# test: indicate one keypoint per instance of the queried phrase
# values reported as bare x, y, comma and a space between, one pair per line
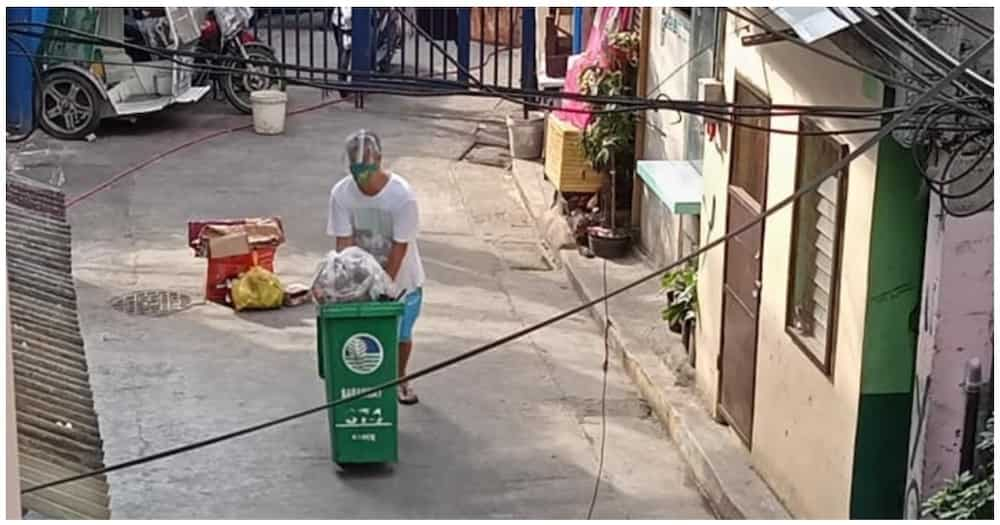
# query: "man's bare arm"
396, 259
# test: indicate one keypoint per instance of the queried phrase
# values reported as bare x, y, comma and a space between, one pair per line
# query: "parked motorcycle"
387, 33
225, 33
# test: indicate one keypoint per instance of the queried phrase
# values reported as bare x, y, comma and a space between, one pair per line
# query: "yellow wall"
805, 422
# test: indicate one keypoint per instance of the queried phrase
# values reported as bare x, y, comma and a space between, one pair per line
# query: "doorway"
742, 275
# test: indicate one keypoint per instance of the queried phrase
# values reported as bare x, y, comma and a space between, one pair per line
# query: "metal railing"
495, 45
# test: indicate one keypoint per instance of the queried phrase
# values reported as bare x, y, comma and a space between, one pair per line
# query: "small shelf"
677, 183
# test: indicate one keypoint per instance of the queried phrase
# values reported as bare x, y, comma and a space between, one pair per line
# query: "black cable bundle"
394, 84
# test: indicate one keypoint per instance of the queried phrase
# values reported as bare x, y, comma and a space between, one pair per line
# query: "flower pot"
673, 326
608, 244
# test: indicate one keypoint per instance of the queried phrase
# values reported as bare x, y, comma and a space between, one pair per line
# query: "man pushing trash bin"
377, 211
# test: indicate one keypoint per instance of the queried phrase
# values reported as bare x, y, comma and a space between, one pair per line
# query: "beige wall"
805, 422
665, 236
668, 41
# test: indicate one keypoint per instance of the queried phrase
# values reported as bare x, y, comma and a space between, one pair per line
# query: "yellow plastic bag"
257, 289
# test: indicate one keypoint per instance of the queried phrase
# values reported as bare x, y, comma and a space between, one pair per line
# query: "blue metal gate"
437, 48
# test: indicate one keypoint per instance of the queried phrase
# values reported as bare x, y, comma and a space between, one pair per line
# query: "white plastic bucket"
269, 111
526, 136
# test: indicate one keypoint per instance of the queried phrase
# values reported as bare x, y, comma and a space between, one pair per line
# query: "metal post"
448, 37
577, 30
326, 46
270, 15
529, 80
510, 46
284, 40
482, 42
972, 385
361, 48
496, 46
433, 37
463, 40
312, 44
298, 44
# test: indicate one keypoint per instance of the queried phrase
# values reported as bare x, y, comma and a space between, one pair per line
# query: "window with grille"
815, 257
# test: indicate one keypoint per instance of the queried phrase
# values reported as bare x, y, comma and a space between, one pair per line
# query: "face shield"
363, 155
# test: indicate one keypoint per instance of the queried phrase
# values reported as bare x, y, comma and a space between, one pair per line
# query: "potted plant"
681, 312
970, 494
609, 138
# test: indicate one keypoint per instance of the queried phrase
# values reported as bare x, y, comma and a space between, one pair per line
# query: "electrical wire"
724, 108
720, 112
887, 55
898, 42
928, 130
415, 90
681, 67
204, 138
169, 54
915, 36
968, 140
807, 188
604, 394
684, 106
888, 80
963, 215
655, 93
481, 85
969, 22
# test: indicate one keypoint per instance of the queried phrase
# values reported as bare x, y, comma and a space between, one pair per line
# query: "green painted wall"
895, 274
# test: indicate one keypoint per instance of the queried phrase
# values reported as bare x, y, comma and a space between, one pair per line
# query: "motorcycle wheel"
238, 86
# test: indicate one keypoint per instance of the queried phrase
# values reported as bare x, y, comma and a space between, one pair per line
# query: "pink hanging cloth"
608, 20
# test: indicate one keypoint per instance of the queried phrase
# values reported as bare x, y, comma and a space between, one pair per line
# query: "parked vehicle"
83, 82
387, 32
225, 33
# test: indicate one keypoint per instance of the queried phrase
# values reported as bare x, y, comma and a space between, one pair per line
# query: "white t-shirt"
378, 220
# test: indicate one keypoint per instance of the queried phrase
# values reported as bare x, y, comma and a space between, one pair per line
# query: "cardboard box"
229, 245
258, 232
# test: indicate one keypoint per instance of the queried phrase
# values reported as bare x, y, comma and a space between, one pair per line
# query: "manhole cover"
152, 303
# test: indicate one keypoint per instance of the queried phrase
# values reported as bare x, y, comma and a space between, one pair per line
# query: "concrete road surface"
513, 433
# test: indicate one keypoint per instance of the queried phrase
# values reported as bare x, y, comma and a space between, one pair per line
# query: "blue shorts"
411, 310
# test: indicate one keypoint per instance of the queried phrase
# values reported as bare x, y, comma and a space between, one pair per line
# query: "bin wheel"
70, 106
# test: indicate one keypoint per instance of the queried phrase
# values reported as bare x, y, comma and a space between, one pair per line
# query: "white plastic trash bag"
351, 275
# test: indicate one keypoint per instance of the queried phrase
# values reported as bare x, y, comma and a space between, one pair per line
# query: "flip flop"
406, 395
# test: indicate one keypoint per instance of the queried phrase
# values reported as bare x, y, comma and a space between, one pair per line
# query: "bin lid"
360, 310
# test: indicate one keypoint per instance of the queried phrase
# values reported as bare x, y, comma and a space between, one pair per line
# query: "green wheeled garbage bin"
357, 350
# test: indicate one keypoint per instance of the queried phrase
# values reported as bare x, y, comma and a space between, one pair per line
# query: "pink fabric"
608, 20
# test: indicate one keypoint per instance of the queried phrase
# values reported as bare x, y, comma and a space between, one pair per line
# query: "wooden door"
741, 281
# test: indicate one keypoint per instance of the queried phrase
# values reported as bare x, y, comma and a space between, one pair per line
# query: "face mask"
362, 172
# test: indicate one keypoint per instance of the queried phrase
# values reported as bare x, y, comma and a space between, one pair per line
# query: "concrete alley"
514, 433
